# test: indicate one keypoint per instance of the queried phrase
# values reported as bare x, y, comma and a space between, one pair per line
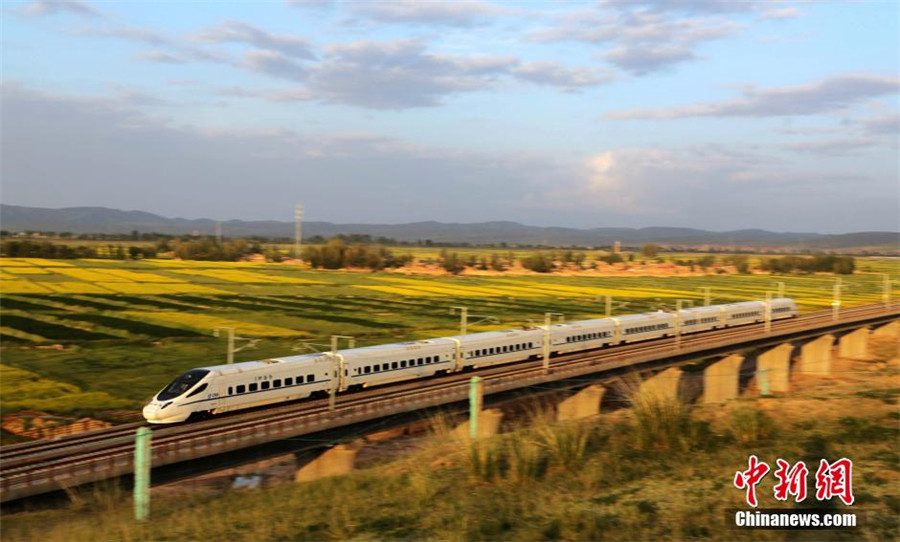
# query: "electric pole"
548, 319
230, 331
707, 296
678, 304
836, 304
463, 318
298, 229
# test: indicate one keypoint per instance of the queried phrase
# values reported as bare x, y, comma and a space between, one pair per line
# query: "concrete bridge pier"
488, 424
721, 380
662, 386
815, 356
854, 345
774, 368
891, 329
584, 404
335, 461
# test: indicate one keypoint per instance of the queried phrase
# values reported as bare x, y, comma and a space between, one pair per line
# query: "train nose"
151, 412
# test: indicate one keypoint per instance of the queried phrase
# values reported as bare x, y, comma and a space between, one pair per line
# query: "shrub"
749, 425
662, 424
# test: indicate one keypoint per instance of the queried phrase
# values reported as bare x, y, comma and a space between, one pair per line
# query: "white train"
223, 388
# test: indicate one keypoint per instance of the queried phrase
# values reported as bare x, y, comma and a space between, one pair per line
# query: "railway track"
28, 461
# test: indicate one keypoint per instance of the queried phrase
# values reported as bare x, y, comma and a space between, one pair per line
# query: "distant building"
617, 247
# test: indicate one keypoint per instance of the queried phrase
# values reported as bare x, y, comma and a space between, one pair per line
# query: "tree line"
56, 251
337, 254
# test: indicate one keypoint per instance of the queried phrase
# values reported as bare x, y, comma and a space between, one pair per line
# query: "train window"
265, 385
367, 369
289, 381
254, 386
182, 384
241, 389
276, 383
198, 390
394, 365
403, 363
310, 378
421, 361
230, 390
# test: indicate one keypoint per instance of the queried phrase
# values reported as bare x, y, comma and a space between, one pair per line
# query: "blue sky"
703, 113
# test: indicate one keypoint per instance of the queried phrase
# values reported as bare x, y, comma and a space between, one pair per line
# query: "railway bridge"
41, 467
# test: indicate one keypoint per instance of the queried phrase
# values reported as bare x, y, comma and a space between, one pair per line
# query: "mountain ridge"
106, 220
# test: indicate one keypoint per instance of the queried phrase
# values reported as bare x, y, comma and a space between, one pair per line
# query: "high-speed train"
222, 388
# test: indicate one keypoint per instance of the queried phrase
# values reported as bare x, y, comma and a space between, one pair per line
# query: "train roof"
231, 368
499, 334
591, 322
408, 345
644, 316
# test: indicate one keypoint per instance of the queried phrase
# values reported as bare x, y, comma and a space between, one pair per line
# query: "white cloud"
644, 60
162, 57
240, 32
461, 13
54, 7
559, 75
835, 93
644, 41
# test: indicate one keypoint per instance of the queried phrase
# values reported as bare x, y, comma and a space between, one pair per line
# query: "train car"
643, 327
496, 347
582, 335
748, 312
701, 319
784, 307
386, 363
222, 388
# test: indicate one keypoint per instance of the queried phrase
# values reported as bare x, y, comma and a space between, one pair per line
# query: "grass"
121, 321
590, 480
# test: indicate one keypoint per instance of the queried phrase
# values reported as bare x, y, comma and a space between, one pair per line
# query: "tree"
451, 262
650, 250
539, 262
497, 262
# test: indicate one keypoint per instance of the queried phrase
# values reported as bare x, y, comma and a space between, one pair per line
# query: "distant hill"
103, 220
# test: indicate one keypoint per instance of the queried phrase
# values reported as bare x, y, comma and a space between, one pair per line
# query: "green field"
127, 327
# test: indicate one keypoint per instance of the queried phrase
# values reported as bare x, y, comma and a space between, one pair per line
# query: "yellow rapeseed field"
21, 287
41, 262
429, 287
138, 288
27, 271
206, 323
245, 277
141, 277
465, 290
72, 287
90, 275
399, 291
6, 276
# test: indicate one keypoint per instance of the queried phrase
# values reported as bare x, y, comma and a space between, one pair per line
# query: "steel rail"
41, 449
41, 452
115, 451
